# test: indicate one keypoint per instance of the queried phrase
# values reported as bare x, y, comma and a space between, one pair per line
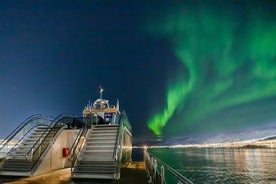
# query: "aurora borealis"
228, 56
177, 67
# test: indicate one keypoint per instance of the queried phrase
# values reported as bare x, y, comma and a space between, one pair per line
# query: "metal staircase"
30, 142
97, 159
17, 162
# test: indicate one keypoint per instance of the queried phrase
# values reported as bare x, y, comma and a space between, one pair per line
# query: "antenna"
101, 92
117, 104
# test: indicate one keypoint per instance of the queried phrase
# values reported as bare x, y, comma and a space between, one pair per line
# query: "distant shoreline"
255, 144
266, 143
242, 144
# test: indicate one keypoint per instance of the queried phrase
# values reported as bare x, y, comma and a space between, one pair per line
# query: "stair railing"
16, 135
29, 155
14, 148
15, 131
78, 149
118, 138
78, 144
42, 143
73, 148
37, 154
123, 124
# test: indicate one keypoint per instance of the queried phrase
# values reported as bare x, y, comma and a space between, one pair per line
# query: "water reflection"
223, 165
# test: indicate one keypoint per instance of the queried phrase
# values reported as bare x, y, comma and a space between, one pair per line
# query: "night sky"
178, 68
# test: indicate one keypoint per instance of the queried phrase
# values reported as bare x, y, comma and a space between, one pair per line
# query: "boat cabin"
100, 112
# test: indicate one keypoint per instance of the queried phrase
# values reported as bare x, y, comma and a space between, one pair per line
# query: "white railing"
157, 169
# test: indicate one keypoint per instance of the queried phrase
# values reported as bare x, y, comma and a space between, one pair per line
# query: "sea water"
221, 165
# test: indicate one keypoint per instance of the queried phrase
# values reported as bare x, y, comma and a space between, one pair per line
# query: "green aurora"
228, 54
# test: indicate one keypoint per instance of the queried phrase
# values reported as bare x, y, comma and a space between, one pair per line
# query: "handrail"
77, 144
38, 141
118, 149
152, 163
126, 122
74, 145
61, 116
7, 139
16, 130
34, 154
52, 125
19, 132
115, 151
39, 152
75, 153
10, 153
42, 138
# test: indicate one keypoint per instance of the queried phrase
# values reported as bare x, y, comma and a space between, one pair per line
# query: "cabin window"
108, 117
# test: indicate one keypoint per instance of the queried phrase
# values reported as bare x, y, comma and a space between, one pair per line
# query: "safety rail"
119, 144
43, 142
77, 150
157, 170
126, 122
12, 139
14, 148
123, 123
78, 144
118, 138
7, 139
29, 155
38, 155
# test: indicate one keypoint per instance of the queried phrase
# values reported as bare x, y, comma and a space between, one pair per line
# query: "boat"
108, 142
95, 145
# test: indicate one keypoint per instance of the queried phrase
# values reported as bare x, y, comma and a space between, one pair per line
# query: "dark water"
221, 165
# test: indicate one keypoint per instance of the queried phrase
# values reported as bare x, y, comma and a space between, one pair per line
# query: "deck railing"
39, 147
16, 137
78, 144
157, 170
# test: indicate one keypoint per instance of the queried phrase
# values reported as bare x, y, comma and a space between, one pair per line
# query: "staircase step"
99, 145
93, 176
97, 163
102, 137
37, 136
30, 140
42, 131
96, 170
15, 169
13, 164
18, 157
24, 149
105, 130
97, 154
101, 142
96, 159
17, 164
104, 134
100, 126
101, 150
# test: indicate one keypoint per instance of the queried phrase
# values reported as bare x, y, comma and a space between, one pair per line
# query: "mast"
101, 92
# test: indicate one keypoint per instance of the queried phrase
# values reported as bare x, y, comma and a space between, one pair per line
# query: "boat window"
108, 117
97, 106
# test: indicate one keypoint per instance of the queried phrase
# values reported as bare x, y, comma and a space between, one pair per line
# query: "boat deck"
134, 173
